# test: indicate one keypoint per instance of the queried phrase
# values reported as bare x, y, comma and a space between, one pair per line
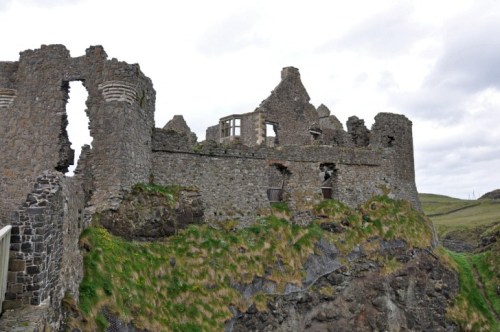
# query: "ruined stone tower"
33, 137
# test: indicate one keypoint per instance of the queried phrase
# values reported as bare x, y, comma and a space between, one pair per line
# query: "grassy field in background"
448, 213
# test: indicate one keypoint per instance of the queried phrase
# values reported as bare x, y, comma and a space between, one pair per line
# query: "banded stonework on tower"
7, 97
118, 91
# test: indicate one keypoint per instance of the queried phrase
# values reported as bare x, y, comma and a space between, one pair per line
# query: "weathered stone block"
15, 239
39, 247
11, 277
12, 304
17, 288
35, 211
10, 295
35, 269
27, 247
17, 265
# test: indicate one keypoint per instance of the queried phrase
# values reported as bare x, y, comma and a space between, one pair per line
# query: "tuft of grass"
333, 209
486, 265
280, 207
102, 322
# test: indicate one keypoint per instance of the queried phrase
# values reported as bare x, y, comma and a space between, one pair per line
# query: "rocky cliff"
368, 269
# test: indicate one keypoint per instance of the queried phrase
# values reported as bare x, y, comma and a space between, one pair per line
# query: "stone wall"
45, 261
233, 179
231, 187
287, 108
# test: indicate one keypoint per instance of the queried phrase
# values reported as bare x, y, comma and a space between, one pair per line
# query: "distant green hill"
450, 213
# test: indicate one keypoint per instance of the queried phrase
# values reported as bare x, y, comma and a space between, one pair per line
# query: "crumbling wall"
288, 105
33, 134
287, 109
179, 125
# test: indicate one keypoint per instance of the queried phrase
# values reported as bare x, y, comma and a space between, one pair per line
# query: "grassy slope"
470, 219
187, 282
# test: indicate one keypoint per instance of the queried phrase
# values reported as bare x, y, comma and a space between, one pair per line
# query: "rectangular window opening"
230, 127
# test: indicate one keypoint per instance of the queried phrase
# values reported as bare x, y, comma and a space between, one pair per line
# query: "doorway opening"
78, 121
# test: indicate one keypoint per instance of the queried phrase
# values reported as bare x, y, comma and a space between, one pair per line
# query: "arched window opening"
78, 121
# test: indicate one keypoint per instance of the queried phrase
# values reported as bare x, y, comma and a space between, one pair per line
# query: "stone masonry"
286, 150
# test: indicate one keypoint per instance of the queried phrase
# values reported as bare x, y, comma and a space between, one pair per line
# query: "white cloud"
231, 34
385, 34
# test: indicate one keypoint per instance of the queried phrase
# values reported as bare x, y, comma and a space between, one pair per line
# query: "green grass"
470, 212
486, 264
451, 214
438, 204
280, 207
470, 309
186, 282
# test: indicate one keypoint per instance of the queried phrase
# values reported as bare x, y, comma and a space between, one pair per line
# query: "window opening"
78, 121
272, 134
327, 177
390, 141
278, 175
230, 127
315, 131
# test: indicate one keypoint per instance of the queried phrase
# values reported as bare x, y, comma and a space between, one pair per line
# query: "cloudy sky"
437, 62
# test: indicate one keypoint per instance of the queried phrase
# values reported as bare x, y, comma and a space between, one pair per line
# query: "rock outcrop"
149, 215
364, 298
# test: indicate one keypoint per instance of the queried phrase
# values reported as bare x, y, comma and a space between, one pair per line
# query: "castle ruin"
285, 151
